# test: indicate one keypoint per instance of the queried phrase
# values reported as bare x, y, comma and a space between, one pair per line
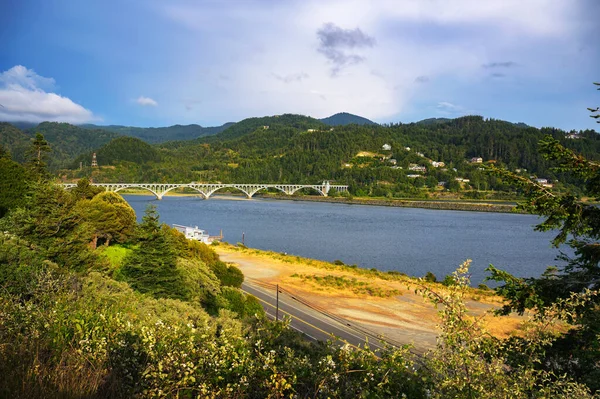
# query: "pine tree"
37, 153
151, 268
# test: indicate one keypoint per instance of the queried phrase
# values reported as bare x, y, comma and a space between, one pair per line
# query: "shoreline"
390, 304
454, 205
424, 204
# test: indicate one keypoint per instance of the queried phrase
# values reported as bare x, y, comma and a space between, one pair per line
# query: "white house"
193, 233
386, 147
436, 164
417, 168
476, 160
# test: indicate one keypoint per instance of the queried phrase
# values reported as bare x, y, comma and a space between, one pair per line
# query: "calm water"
409, 240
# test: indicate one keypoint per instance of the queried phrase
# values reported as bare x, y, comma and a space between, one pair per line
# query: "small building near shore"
193, 233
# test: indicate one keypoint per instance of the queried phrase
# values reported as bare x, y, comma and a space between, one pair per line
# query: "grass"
354, 285
115, 254
391, 275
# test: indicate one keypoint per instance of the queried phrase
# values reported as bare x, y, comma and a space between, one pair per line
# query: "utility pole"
243, 238
277, 303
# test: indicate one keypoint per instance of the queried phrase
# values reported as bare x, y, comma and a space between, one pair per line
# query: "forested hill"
299, 149
271, 126
161, 134
344, 118
67, 141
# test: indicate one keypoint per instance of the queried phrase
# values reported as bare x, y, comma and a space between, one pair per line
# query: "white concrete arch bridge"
208, 189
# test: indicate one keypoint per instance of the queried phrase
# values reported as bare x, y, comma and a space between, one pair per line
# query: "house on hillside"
417, 168
392, 161
436, 164
476, 160
386, 147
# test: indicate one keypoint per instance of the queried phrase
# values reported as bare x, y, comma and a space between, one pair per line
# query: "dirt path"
404, 316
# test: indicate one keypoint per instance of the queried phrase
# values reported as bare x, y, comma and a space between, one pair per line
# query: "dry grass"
405, 316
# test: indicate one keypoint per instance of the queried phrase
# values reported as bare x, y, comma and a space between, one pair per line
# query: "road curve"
313, 324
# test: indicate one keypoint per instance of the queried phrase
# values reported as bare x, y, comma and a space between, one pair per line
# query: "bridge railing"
208, 189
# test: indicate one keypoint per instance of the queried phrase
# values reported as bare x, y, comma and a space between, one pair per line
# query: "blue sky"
158, 63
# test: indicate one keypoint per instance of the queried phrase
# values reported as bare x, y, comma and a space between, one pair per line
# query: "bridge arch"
124, 186
185, 186
268, 187
211, 192
316, 188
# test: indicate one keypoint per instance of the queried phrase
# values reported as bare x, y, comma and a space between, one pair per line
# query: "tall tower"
94, 162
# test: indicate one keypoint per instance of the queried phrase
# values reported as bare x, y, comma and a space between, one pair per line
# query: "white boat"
194, 233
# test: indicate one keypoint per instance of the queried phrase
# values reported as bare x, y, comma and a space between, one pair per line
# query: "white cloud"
274, 55
146, 101
24, 99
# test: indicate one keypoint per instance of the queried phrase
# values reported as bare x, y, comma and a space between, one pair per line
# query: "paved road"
310, 322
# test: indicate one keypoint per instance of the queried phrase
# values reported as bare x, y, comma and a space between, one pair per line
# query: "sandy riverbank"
404, 316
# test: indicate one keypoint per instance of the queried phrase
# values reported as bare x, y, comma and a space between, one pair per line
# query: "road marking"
295, 328
307, 323
364, 339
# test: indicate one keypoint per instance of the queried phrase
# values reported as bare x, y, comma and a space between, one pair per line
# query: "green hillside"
162, 134
344, 118
122, 149
433, 121
298, 149
67, 141
14, 140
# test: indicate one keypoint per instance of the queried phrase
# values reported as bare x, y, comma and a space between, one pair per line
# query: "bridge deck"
208, 189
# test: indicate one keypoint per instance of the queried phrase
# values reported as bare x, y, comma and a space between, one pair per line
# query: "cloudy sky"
157, 63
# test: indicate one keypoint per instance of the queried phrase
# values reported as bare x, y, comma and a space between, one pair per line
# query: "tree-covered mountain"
162, 134
344, 118
433, 121
270, 126
121, 149
67, 141
299, 149
13, 140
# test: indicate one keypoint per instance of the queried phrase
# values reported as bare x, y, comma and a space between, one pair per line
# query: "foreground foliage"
160, 316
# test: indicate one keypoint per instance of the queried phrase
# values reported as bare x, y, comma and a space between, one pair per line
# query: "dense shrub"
229, 275
429, 276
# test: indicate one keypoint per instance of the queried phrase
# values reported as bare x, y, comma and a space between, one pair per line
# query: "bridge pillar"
326, 188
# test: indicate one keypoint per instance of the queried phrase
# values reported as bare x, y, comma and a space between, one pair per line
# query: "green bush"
242, 304
229, 275
429, 276
449, 280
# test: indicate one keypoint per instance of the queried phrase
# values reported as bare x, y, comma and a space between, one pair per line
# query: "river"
409, 240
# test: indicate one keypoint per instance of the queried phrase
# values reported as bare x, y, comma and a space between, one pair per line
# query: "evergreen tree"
108, 217
152, 267
38, 155
84, 190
